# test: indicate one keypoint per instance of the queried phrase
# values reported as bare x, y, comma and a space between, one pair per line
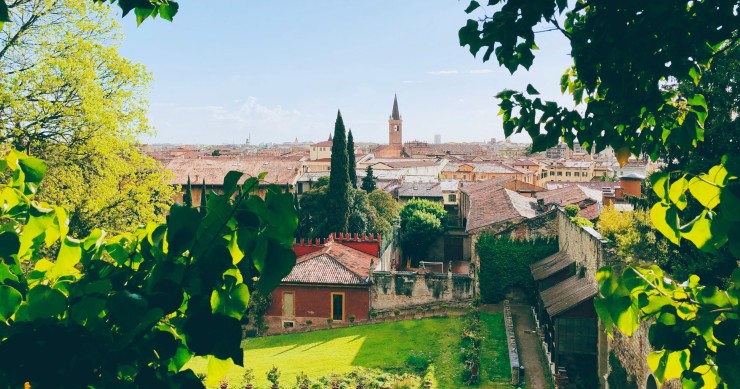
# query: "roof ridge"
342, 265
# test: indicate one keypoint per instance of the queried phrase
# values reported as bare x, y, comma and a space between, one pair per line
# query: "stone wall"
591, 251
632, 353
391, 290
586, 246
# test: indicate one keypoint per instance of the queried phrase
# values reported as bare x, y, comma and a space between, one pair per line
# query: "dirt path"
529, 347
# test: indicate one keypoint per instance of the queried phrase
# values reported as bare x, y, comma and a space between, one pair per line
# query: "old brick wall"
586, 246
632, 353
391, 290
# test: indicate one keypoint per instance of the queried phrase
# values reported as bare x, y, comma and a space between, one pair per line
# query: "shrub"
247, 377
373, 314
302, 381
396, 312
309, 322
352, 318
273, 375
572, 210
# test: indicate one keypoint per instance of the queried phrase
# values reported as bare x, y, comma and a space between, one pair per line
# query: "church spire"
395, 115
330, 139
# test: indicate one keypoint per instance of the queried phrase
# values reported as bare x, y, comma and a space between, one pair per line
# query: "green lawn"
385, 346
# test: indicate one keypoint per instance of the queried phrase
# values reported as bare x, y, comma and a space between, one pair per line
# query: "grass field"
384, 346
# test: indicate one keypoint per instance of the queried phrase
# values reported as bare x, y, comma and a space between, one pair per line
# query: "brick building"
331, 279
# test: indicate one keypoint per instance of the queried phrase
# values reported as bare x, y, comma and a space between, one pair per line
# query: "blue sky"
280, 70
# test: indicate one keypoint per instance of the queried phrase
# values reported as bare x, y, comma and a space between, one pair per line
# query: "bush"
273, 375
251, 333
572, 210
396, 312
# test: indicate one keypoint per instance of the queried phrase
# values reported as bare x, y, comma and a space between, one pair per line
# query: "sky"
227, 69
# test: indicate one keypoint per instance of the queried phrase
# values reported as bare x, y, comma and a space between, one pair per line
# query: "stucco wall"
392, 290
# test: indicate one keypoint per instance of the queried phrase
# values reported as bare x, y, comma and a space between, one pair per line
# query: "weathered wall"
591, 251
586, 246
392, 290
632, 353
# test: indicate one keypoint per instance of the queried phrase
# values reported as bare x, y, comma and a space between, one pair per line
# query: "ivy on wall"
504, 263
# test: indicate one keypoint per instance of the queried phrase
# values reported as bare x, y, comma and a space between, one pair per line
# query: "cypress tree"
368, 182
187, 198
351, 167
338, 194
203, 198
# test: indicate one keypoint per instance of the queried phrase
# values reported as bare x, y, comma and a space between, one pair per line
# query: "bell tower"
395, 125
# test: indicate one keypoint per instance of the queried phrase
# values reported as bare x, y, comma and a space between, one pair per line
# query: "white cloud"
443, 72
481, 71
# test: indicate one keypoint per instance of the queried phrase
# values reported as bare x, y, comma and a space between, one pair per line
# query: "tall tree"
75, 102
368, 182
351, 166
338, 193
203, 198
187, 198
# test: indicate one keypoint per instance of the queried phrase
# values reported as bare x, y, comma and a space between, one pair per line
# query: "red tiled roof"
498, 205
568, 195
323, 144
335, 263
213, 170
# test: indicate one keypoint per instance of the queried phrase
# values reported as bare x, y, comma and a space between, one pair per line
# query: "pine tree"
368, 182
338, 196
187, 198
203, 198
351, 167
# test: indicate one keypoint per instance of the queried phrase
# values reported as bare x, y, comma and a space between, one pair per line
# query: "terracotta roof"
525, 162
420, 189
335, 263
569, 195
550, 265
498, 205
485, 186
567, 294
323, 269
325, 143
588, 184
213, 170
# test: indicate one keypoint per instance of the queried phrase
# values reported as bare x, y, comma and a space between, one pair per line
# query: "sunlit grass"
384, 346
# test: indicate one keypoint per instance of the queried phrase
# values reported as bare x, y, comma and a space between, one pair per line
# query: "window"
453, 198
300, 188
288, 300
577, 174
337, 306
567, 174
560, 174
288, 304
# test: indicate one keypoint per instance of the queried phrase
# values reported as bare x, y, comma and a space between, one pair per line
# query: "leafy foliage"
135, 307
74, 102
368, 182
504, 263
626, 56
387, 208
367, 213
422, 221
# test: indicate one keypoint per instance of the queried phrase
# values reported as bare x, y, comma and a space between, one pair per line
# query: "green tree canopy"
76, 103
387, 207
368, 182
434, 208
422, 221
626, 54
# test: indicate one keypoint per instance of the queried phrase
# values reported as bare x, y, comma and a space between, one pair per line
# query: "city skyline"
280, 72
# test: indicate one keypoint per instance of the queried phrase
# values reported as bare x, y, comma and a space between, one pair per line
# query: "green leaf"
10, 300
705, 191
659, 183
698, 100
231, 303
280, 261
168, 10
4, 16
182, 226
677, 193
665, 220
69, 255
44, 302
217, 369
695, 75
700, 234
472, 7
531, 90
